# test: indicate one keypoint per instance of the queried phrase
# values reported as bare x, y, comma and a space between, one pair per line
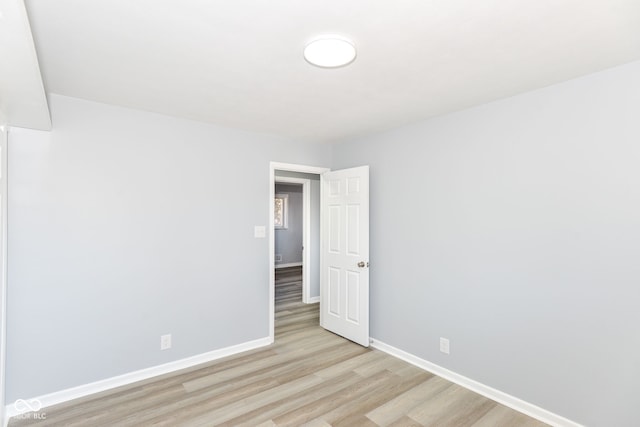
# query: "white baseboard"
132, 377
289, 264
313, 300
493, 394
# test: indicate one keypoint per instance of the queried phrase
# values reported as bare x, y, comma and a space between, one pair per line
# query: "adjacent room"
337, 213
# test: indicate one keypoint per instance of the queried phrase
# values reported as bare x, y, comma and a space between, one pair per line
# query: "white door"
344, 263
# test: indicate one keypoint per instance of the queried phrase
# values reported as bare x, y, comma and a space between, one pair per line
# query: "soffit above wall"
23, 102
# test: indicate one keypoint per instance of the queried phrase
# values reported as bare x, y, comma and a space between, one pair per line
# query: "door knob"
361, 264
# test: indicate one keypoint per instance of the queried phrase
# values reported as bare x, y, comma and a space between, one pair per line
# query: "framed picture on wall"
280, 213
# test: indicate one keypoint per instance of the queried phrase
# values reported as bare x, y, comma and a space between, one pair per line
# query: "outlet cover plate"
165, 342
444, 345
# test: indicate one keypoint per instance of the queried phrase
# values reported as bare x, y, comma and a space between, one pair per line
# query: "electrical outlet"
444, 345
165, 342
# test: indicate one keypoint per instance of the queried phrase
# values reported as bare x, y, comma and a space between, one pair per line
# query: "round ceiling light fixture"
330, 51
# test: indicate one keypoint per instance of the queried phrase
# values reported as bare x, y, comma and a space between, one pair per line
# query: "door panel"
334, 229
353, 297
353, 230
334, 292
344, 287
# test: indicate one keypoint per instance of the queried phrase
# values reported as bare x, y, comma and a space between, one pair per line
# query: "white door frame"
306, 232
3, 265
290, 167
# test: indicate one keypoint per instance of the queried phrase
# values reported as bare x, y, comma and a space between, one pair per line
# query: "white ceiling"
239, 63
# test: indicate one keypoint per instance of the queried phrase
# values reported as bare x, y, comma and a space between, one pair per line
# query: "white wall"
513, 229
121, 231
288, 241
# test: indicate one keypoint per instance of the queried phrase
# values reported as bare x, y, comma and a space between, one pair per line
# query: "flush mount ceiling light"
330, 51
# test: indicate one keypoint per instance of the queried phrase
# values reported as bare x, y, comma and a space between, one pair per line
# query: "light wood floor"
308, 377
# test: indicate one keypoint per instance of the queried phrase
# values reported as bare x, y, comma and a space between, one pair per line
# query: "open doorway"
344, 249
298, 269
292, 224
296, 230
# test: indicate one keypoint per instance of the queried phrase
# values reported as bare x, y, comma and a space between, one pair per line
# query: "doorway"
343, 249
296, 235
309, 178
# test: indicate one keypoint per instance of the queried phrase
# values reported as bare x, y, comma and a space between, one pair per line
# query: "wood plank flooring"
308, 377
